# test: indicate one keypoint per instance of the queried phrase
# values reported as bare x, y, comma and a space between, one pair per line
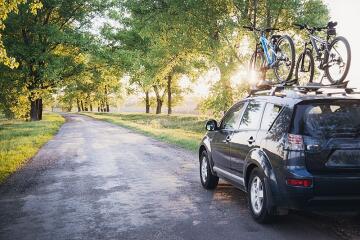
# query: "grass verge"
185, 131
20, 140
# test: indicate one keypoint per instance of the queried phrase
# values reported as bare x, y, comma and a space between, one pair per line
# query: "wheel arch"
257, 158
205, 146
202, 148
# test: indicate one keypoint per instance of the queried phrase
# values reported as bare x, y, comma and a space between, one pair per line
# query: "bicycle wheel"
257, 66
285, 57
305, 65
337, 60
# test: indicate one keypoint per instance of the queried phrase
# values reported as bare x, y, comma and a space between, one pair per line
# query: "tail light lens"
299, 182
295, 142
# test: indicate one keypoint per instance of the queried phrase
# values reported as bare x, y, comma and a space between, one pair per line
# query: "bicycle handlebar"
313, 29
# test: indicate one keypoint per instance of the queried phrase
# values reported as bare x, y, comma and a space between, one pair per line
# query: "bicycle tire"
292, 58
259, 58
311, 66
326, 59
257, 62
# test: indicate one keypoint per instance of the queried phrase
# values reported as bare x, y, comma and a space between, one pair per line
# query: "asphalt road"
95, 180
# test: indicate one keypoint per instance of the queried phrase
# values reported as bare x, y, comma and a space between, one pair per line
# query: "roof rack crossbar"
272, 90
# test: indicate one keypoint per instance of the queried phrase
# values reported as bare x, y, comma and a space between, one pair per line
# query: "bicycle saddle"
332, 24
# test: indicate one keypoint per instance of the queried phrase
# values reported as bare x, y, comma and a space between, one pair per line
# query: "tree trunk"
78, 104
36, 109
102, 106
159, 99
147, 102
159, 103
40, 108
82, 105
255, 12
169, 94
91, 107
268, 13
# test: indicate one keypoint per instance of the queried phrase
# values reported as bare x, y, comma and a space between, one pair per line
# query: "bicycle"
329, 53
278, 54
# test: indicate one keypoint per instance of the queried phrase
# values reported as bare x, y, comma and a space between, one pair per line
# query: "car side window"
281, 124
252, 116
232, 117
270, 113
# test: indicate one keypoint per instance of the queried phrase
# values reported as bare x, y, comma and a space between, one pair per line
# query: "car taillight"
299, 182
295, 142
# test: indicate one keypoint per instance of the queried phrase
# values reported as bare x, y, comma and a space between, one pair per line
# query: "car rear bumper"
311, 201
330, 192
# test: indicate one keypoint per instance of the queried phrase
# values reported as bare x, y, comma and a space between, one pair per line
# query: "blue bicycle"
278, 54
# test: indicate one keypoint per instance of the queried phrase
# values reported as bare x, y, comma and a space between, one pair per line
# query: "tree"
262, 13
8, 7
97, 85
39, 44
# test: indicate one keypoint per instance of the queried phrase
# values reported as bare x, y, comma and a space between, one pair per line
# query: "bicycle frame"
270, 54
269, 51
314, 40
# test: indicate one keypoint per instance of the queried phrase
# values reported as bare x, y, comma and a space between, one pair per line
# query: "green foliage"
8, 7
97, 86
20, 140
313, 13
153, 44
47, 44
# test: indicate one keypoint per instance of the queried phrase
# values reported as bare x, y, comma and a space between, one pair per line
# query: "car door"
220, 142
245, 137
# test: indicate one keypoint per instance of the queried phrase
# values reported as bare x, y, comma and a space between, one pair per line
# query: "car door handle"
228, 139
251, 140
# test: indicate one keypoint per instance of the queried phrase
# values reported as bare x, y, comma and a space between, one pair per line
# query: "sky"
347, 14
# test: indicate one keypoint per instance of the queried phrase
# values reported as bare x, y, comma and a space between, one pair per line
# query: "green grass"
20, 140
185, 131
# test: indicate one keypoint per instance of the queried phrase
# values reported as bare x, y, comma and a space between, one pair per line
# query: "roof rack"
265, 88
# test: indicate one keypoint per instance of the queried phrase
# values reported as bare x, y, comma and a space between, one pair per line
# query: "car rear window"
337, 118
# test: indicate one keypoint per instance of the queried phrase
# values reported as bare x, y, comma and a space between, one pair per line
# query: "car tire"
258, 197
208, 180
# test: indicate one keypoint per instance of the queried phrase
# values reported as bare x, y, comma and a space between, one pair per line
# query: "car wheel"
208, 180
258, 197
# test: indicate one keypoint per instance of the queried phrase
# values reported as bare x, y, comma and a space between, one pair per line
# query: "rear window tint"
338, 118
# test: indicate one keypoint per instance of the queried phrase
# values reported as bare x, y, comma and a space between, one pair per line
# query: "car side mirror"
211, 125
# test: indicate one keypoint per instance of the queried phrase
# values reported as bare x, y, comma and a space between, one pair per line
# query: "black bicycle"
333, 55
277, 53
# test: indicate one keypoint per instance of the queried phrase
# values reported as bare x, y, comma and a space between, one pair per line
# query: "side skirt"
233, 179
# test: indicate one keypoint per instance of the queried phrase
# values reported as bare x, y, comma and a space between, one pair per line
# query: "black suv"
288, 149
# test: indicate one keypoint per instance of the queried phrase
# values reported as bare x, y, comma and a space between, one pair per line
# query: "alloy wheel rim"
204, 169
257, 195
